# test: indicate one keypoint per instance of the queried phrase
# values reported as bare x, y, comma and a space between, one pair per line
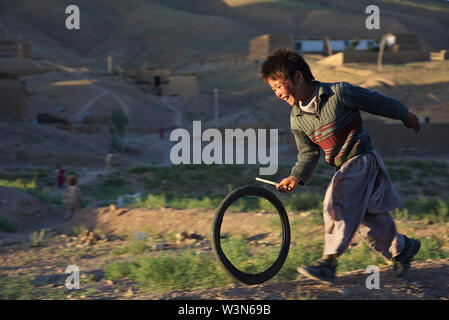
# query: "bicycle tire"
224, 262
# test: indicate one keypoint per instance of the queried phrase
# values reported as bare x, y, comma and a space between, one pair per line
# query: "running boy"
360, 195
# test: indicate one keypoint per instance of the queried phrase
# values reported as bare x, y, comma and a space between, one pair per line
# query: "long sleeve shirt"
337, 126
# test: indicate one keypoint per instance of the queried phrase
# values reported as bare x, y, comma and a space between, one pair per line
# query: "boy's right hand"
412, 122
287, 184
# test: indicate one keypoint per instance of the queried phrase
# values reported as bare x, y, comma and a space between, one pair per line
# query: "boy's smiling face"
284, 90
288, 91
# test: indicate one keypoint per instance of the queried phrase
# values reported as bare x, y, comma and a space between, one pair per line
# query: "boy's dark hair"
71, 180
283, 64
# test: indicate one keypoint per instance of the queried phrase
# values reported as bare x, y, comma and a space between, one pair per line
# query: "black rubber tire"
224, 262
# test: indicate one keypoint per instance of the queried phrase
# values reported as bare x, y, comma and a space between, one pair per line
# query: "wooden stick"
266, 181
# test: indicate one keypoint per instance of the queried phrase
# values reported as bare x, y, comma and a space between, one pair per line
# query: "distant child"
60, 175
72, 198
109, 158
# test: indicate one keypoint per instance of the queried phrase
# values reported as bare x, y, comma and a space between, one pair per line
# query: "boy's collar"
325, 89
324, 92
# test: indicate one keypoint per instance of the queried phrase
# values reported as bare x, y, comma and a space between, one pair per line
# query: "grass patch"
304, 202
188, 270
431, 249
79, 230
8, 226
16, 288
77, 252
428, 208
400, 174
112, 180
246, 258
30, 187
359, 257
292, 202
301, 254
37, 238
183, 271
425, 165
105, 192
136, 247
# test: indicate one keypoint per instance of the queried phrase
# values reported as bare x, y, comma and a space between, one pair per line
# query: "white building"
337, 45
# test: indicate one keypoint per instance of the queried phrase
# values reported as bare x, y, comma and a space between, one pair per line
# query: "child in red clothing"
60, 175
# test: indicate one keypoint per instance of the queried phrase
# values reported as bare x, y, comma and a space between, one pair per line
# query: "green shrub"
16, 288
359, 257
417, 164
37, 238
152, 201
140, 169
119, 269
183, 271
399, 213
112, 180
194, 203
430, 192
19, 184
236, 249
6, 225
400, 174
136, 247
264, 204
431, 249
304, 202
303, 253
421, 208
120, 121
318, 181
79, 230
30, 187
292, 202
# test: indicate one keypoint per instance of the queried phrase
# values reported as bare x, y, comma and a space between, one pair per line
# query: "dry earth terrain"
43, 262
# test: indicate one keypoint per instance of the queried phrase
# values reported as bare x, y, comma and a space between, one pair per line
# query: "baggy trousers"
359, 198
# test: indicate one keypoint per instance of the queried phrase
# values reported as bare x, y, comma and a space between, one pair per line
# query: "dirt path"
90, 175
426, 280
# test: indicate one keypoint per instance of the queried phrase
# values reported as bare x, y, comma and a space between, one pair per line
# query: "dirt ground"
46, 263
427, 280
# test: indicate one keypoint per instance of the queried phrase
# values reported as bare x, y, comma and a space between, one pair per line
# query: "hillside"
244, 99
172, 32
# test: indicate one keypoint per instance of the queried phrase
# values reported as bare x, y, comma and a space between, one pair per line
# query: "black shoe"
401, 263
321, 270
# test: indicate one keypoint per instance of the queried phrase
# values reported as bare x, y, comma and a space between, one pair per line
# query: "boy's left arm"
373, 102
